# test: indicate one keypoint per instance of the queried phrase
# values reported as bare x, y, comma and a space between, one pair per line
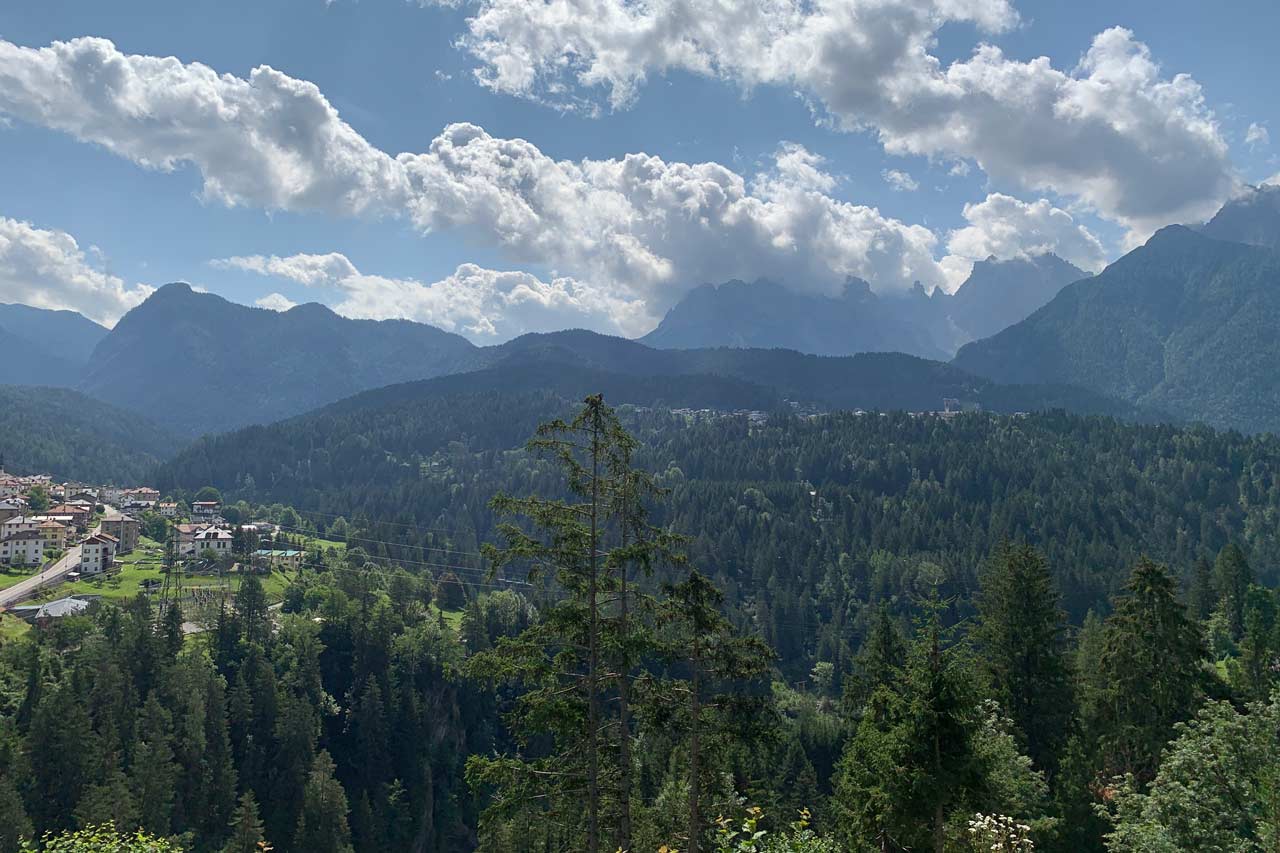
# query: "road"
70, 562
53, 574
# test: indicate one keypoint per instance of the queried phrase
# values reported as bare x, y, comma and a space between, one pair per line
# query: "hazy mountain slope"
202, 364
998, 294
1253, 217
44, 347
1187, 324
768, 315
64, 433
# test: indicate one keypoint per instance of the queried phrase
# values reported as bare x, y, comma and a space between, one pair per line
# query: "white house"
214, 539
25, 548
168, 509
204, 510
19, 523
96, 553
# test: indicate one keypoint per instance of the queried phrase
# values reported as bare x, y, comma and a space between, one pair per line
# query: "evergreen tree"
1232, 578
1150, 669
1020, 635
878, 664
697, 635
1202, 597
915, 757
246, 828
15, 826
322, 826
562, 662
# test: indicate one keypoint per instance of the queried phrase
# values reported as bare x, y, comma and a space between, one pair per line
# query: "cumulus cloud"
1257, 136
484, 304
275, 302
622, 238
269, 140
48, 269
1005, 227
1140, 148
900, 181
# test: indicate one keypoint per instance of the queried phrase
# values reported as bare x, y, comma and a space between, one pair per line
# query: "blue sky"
837, 154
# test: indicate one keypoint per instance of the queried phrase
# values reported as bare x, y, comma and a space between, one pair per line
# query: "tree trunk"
593, 702
624, 716
695, 753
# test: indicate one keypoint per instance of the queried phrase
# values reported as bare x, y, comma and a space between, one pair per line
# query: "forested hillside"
61, 432
892, 496
889, 666
1185, 324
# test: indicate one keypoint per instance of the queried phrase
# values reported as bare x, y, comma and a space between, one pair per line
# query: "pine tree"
15, 826
1232, 578
1150, 667
1202, 597
878, 663
696, 634
573, 658
322, 826
1020, 636
915, 758
246, 828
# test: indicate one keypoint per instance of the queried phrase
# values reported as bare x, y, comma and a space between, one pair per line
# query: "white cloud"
1140, 148
637, 228
484, 304
900, 181
270, 141
48, 269
1005, 227
275, 302
1257, 137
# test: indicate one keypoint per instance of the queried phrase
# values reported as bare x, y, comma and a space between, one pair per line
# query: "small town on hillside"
82, 536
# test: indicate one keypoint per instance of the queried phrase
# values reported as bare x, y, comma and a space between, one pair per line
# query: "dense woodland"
839, 633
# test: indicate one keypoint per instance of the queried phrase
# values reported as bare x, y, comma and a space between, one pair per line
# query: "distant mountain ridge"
1252, 217
765, 314
1186, 323
43, 346
200, 363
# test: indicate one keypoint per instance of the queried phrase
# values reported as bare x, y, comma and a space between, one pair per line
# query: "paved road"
29, 587
69, 563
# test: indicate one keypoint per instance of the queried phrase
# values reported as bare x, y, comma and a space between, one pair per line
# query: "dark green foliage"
1232, 577
1021, 638
66, 434
1150, 674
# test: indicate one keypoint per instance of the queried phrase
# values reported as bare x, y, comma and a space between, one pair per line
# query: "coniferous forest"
644, 631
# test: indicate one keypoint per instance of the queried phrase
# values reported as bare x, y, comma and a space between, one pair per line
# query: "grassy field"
10, 575
452, 618
12, 628
145, 563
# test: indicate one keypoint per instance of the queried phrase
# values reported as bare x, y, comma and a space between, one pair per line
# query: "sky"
495, 167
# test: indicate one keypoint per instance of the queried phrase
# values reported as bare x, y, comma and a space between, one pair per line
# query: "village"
65, 545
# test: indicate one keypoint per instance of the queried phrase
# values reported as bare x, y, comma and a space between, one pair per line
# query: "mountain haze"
46, 347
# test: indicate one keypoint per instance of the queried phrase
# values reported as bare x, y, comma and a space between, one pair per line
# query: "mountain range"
1185, 323
1181, 328
765, 314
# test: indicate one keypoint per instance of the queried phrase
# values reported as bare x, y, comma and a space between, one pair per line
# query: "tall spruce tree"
713, 655
1020, 638
1232, 577
571, 662
1151, 673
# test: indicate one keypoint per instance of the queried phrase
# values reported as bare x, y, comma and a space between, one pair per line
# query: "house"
204, 510
80, 515
54, 534
24, 548
168, 509
83, 498
19, 523
124, 528
113, 495
97, 553
10, 507
284, 560
187, 536
212, 539
140, 498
